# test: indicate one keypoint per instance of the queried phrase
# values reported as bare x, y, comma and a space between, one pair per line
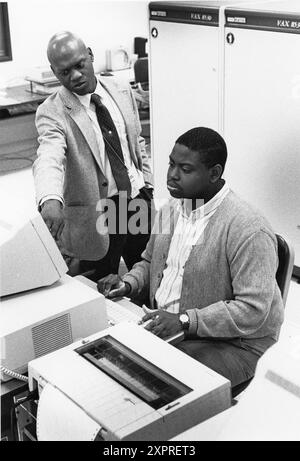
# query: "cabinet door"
184, 87
262, 125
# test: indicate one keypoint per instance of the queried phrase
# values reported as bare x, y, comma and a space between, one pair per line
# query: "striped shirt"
188, 231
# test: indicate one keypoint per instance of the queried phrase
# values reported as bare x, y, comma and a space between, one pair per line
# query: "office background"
102, 24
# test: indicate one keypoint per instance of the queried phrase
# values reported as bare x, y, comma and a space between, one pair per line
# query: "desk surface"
17, 95
11, 97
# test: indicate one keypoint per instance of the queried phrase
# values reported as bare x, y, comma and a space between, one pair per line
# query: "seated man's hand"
52, 214
163, 323
112, 286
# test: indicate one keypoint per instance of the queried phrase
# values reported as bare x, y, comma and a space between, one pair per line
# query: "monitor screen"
29, 256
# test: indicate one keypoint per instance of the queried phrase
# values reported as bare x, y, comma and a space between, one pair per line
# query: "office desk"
18, 135
12, 97
291, 325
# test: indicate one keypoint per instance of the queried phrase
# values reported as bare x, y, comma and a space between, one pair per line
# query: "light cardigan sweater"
229, 288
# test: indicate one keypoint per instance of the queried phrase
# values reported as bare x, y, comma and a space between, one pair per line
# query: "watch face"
185, 321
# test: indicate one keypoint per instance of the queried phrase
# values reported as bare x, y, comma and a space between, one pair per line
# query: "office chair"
283, 278
141, 74
141, 94
285, 267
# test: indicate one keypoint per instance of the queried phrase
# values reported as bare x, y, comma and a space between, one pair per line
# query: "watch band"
129, 287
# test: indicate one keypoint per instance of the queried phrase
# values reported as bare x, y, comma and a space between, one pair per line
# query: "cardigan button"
105, 184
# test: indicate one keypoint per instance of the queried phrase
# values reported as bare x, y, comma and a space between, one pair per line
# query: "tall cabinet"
184, 63
262, 111
234, 67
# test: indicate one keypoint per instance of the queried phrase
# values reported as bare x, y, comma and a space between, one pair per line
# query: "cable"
13, 374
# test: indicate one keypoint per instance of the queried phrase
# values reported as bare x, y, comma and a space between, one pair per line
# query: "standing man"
90, 149
213, 275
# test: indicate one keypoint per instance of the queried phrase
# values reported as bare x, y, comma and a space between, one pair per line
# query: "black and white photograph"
150, 223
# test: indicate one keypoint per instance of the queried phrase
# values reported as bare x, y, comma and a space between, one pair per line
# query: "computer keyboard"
123, 311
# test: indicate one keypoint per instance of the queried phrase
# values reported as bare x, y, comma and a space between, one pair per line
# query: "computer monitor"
42, 309
29, 256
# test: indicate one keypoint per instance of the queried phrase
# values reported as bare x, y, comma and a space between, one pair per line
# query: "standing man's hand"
52, 214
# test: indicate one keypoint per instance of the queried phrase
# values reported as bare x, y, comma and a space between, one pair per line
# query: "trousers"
126, 244
234, 359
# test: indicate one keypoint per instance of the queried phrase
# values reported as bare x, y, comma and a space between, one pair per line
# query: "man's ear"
90, 53
52, 70
216, 172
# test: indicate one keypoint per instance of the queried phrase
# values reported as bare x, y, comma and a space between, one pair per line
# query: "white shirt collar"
86, 98
204, 209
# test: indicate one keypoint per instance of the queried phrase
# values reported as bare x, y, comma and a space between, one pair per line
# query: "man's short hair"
210, 145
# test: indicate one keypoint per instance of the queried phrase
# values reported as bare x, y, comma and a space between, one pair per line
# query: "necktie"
112, 143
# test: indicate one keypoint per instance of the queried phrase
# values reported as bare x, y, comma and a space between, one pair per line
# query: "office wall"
102, 24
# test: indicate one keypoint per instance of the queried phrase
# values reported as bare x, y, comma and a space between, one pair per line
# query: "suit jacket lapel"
81, 118
120, 96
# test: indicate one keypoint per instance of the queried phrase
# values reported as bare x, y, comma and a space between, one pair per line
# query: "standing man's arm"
49, 169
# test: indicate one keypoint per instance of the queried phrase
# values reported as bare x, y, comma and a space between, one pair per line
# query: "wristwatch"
185, 321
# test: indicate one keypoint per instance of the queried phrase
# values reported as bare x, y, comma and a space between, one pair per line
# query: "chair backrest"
285, 266
283, 277
141, 74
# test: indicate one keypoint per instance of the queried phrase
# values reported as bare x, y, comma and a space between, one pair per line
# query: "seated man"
213, 274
